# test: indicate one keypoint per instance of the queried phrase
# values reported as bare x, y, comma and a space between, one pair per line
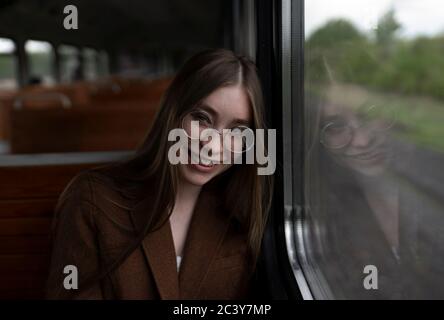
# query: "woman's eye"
239, 129
201, 117
338, 126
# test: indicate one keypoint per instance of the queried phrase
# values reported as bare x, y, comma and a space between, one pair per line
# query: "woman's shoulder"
78, 186
91, 200
96, 185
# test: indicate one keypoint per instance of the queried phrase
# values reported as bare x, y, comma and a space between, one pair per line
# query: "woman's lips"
203, 168
370, 158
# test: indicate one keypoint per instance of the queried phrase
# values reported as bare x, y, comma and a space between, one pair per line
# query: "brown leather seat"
97, 118
28, 195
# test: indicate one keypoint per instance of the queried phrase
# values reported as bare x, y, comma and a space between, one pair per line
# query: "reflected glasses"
339, 133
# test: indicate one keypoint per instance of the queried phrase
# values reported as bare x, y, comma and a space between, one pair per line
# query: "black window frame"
280, 61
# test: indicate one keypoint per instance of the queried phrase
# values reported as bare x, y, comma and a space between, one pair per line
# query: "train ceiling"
133, 24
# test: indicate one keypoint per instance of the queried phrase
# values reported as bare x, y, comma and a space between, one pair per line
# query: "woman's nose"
361, 137
214, 144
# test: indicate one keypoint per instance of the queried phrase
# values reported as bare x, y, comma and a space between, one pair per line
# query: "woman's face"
225, 108
354, 141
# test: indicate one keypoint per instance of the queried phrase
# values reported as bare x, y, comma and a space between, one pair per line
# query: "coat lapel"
207, 229
205, 235
158, 248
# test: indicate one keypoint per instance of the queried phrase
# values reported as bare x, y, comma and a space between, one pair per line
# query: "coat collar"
207, 229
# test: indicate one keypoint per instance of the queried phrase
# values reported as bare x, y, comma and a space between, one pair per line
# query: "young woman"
147, 229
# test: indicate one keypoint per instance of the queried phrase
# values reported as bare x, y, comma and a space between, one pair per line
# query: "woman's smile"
209, 166
203, 168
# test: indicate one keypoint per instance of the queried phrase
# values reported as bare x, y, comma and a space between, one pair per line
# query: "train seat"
28, 195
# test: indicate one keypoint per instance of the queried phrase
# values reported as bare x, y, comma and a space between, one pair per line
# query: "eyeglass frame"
220, 133
352, 131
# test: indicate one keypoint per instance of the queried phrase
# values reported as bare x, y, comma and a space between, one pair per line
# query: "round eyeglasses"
339, 133
197, 126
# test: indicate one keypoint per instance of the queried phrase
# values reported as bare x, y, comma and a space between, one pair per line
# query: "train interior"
354, 89
73, 99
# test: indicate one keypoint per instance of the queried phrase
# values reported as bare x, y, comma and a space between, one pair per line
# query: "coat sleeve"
74, 243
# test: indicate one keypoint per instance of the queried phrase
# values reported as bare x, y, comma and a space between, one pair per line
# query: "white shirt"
178, 260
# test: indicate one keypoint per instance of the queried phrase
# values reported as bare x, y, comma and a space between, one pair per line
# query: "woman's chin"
196, 174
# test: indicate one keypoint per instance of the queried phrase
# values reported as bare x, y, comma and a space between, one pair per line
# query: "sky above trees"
417, 17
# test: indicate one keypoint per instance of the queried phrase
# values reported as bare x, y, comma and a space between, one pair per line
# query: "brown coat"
91, 232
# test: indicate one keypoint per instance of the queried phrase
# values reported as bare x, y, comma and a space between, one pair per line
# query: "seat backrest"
117, 127
28, 195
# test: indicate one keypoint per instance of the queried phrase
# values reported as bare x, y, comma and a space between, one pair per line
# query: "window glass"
374, 146
70, 67
41, 62
90, 64
103, 63
8, 69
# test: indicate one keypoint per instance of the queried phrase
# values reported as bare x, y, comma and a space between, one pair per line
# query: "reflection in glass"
339, 130
374, 150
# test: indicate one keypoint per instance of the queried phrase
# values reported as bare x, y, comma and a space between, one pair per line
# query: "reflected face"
225, 108
357, 140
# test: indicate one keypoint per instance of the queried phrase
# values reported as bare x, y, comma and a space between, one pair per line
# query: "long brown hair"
247, 195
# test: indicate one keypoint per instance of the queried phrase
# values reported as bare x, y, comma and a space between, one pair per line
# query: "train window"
374, 151
90, 64
41, 62
102, 63
8, 77
70, 66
